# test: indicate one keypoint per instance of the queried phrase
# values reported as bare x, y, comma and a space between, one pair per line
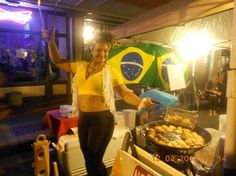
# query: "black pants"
95, 132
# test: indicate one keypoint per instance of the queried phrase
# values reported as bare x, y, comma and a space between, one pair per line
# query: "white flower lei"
107, 88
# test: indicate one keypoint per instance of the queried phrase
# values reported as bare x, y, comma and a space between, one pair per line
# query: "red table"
57, 124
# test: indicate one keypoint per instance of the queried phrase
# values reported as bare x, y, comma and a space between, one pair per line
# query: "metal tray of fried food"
181, 117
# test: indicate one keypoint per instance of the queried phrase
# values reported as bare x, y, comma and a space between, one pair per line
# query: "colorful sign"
19, 16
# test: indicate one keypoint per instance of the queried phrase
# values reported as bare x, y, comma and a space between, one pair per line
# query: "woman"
213, 94
94, 82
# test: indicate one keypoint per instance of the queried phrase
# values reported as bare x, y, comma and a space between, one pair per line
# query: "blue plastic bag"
165, 99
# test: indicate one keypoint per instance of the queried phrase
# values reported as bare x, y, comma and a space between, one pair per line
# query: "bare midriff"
92, 103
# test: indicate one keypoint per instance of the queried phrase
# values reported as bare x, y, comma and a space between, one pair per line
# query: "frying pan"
169, 150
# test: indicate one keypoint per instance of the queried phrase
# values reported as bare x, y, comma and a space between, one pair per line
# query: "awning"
176, 12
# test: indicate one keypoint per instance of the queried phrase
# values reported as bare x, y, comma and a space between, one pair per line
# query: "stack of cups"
130, 117
120, 118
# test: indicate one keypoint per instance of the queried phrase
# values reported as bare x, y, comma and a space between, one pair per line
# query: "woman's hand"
218, 93
45, 35
145, 103
53, 50
144, 107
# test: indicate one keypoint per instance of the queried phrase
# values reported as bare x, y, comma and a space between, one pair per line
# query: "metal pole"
40, 14
230, 133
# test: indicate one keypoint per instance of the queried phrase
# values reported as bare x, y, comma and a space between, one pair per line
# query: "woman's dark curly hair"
102, 37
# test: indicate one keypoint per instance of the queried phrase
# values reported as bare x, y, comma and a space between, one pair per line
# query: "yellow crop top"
93, 84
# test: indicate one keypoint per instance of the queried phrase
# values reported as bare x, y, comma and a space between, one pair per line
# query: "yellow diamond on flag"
132, 62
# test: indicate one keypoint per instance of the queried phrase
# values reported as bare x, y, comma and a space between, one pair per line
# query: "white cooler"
71, 158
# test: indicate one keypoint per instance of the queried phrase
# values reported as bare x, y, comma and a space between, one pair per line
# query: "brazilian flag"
142, 64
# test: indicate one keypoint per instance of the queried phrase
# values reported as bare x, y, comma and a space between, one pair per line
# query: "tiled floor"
17, 134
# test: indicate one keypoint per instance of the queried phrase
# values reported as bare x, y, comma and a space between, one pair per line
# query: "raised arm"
54, 52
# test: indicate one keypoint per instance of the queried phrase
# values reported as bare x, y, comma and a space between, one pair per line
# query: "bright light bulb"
88, 33
195, 44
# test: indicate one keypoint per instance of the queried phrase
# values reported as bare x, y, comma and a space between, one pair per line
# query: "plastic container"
120, 118
130, 117
66, 110
71, 158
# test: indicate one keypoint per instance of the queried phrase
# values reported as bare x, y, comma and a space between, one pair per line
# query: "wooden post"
230, 134
55, 169
48, 71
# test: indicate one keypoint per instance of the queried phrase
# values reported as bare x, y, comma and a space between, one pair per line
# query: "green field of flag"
142, 64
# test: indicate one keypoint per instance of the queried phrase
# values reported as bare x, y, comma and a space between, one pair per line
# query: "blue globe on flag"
131, 65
